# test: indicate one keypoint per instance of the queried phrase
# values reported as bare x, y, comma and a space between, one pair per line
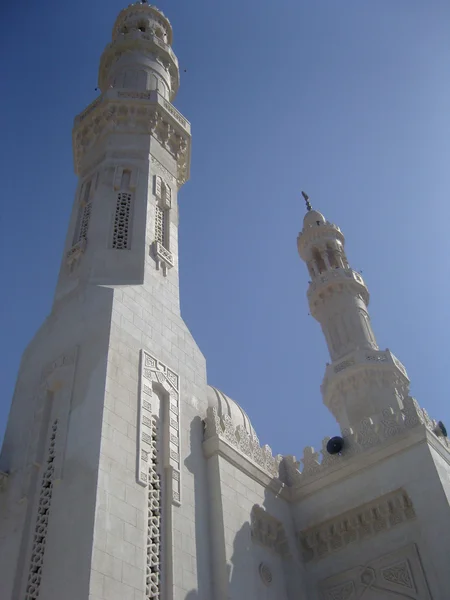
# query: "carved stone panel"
395, 575
155, 373
360, 523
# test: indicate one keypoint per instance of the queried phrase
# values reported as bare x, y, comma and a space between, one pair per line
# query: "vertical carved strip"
153, 372
42, 519
153, 567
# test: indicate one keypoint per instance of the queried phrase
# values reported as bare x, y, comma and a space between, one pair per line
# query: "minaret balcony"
362, 359
336, 276
133, 111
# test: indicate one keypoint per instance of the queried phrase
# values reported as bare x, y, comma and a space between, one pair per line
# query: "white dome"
226, 406
313, 217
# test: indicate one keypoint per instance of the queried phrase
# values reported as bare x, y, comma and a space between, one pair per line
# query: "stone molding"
268, 531
123, 111
355, 525
371, 433
246, 444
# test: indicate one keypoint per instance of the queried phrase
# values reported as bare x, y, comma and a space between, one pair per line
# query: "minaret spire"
308, 204
362, 380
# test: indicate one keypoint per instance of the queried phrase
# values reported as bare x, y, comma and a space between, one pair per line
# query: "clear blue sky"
349, 100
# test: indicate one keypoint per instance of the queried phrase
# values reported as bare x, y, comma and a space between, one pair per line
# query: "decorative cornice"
136, 112
355, 525
242, 441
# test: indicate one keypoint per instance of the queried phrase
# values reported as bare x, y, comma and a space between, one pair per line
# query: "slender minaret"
362, 380
102, 451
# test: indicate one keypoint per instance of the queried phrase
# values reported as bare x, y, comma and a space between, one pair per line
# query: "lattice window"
40, 532
161, 226
121, 233
153, 574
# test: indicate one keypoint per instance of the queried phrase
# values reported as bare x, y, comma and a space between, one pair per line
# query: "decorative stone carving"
153, 372
42, 519
389, 576
268, 531
265, 573
354, 525
372, 432
341, 592
116, 111
310, 461
237, 437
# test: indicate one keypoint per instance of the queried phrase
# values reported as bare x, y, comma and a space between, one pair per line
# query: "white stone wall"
413, 471
79, 330
238, 556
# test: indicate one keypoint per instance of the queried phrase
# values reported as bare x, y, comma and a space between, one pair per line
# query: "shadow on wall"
239, 571
242, 569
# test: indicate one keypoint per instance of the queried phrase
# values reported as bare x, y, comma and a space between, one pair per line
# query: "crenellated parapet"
372, 433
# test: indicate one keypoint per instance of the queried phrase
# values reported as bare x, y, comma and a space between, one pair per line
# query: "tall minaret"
102, 451
362, 380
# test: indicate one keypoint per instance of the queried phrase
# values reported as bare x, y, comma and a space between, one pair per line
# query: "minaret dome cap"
312, 218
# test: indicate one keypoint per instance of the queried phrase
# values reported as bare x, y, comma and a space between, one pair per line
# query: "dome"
313, 217
226, 406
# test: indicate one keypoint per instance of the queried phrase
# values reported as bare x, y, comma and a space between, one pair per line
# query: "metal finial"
308, 203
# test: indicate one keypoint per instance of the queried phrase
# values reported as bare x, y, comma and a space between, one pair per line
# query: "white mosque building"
125, 476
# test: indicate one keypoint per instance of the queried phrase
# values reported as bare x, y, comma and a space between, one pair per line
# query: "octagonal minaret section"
362, 381
131, 150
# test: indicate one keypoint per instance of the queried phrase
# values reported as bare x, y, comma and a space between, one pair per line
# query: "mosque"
125, 476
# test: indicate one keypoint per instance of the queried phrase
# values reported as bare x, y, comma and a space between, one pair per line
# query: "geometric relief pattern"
355, 525
395, 575
156, 374
40, 532
153, 569
161, 226
121, 237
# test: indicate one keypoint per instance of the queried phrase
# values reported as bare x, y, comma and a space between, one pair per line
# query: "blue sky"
348, 100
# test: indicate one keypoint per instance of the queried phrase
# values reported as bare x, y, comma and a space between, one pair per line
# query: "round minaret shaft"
362, 380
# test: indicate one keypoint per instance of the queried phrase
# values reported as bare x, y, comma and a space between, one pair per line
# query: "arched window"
332, 258
318, 259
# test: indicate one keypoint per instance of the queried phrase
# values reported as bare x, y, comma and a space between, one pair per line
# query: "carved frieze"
354, 525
